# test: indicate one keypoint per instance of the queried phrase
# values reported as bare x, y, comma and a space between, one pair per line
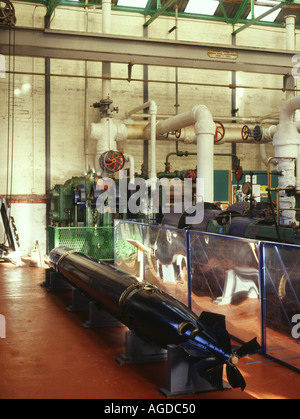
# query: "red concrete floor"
48, 354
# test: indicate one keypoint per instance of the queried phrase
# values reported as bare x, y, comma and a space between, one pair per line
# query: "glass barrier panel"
226, 280
166, 261
282, 306
127, 236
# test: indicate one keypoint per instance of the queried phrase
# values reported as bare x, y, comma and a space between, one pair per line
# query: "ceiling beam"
57, 44
243, 5
223, 11
160, 11
253, 21
148, 7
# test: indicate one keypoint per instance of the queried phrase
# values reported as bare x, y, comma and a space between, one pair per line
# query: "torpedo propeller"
210, 346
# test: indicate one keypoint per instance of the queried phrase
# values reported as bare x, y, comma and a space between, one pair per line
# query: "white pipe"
286, 142
205, 130
130, 159
291, 45
106, 132
153, 114
265, 158
106, 16
106, 66
290, 22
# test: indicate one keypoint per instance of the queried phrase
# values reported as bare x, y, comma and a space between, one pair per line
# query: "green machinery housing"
75, 221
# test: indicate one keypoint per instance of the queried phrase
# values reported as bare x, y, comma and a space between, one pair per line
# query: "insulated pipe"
291, 46
286, 142
106, 132
130, 159
205, 129
106, 66
290, 22
153, 114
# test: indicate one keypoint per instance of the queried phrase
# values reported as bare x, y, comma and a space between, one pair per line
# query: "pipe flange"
257, 133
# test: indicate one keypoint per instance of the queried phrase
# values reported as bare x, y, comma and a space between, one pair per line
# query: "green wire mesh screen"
96, 242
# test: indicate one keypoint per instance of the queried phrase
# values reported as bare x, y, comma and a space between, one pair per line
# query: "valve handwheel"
114, 161
245, 132
178, 133
191, 174
220, 131
238, 173
7, 13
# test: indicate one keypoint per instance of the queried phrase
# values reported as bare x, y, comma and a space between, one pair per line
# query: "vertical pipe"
290, 22
153, 113
106, 66
145, 98
233, 107
47, 139
176, 68
86, 85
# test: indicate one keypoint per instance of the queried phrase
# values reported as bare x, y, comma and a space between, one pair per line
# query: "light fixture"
207, 7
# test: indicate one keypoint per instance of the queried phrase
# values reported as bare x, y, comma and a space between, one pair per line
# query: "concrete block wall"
71, 96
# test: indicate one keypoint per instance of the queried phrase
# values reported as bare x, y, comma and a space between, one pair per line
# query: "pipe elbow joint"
153, 107
204, 123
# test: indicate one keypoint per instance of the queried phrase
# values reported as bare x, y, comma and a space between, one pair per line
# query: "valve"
106, 108
7, 13
220, 131
257, 133
178, 133
238, 173
112, 161
191, 174
245, 132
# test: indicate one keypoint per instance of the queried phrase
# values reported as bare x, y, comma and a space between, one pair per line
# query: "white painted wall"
68, 93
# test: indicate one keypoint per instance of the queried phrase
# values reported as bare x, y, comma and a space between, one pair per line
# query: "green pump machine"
75, 221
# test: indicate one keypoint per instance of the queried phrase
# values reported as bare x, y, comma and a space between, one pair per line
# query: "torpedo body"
155, 316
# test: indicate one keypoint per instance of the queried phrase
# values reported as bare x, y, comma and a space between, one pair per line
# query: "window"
207, 7
133, 3
259, 10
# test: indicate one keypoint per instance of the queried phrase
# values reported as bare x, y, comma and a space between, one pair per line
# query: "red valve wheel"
245, 132
178, 133
238, 173
191, 174
220, 131
113, 161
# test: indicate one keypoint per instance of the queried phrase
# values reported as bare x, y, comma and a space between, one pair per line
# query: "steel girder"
137, 50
